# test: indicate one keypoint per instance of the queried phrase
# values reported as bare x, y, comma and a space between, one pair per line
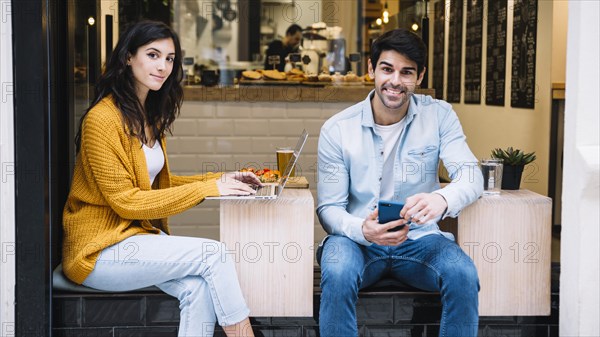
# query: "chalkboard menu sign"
496, 52
473, 51
455, 51
438, 49
523, 50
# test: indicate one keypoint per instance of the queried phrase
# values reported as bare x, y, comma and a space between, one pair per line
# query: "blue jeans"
432, 263
196, 271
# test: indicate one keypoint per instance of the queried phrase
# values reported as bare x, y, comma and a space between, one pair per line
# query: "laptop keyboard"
264, 190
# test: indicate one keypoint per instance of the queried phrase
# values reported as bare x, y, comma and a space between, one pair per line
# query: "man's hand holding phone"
380, 234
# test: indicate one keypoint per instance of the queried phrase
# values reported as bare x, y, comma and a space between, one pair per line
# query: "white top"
155, 160
391, 138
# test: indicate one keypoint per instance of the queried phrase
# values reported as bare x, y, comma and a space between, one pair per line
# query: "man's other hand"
378, 233
423, 207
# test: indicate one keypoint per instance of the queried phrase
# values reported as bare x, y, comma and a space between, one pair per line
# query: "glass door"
83, 60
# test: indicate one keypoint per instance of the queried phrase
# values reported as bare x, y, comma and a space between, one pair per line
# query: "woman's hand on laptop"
238, 183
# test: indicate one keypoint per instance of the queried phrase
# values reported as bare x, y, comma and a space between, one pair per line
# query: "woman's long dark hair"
162, 106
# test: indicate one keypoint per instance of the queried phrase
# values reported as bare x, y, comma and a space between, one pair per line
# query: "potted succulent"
514, 162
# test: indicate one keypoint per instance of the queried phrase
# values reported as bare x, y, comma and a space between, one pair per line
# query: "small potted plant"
514, 162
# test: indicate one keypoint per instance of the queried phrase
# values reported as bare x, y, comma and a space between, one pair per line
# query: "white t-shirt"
155, 160
391, 138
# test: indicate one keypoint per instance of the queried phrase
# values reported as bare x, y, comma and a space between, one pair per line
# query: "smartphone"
390, 211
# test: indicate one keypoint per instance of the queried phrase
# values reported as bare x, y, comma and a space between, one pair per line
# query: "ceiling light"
386, 13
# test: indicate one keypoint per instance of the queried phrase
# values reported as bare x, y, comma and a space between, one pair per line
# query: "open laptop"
272, 190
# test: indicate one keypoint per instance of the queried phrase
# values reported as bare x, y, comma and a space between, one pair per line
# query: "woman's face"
151, 65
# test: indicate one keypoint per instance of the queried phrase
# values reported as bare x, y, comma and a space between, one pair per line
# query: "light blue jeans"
196, 271
431, 263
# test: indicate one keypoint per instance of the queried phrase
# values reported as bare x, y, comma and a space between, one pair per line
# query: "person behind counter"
116, 236
290, 44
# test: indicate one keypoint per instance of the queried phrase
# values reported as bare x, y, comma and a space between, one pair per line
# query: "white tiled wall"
222, 136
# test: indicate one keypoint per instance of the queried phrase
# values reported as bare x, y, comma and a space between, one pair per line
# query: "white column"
7, 189
579, 307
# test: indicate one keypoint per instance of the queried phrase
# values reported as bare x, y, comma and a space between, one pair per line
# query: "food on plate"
274, 75
251, 75
271, 176
265, 175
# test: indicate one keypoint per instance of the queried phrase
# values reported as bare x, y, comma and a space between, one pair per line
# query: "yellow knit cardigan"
111, 188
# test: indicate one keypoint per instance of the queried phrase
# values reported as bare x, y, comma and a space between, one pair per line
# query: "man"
388, 148
290, 44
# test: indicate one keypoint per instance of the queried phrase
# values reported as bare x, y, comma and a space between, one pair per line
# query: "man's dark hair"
293, 29
402, 41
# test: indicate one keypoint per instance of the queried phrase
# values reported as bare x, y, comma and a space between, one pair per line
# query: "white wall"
580, 275
7, 191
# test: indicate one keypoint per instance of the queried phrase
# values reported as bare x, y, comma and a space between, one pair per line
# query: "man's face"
396, 78
294, 39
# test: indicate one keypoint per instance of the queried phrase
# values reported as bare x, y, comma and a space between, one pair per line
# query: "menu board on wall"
474, 47
455, 51
438, 49
496, 52
522, 91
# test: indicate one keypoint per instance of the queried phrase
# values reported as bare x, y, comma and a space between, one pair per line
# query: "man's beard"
406, 93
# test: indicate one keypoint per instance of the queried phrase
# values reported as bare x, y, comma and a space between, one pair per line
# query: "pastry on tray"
324, 77
351, 77
297, 78
295, 71
337, 77
251, 75
312, 78
274, 75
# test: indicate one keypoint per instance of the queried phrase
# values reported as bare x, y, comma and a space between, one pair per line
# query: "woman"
115, 227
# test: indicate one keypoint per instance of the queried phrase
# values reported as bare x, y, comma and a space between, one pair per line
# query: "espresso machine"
325, 48
314, 48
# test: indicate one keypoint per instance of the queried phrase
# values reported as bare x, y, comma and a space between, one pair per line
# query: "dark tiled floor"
382, 312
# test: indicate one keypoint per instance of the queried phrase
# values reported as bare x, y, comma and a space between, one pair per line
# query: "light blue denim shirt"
350, 165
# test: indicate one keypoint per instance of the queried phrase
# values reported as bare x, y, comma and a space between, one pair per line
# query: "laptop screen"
292, 163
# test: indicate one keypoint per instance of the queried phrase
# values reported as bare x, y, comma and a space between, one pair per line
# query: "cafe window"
221, 38
234, 35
